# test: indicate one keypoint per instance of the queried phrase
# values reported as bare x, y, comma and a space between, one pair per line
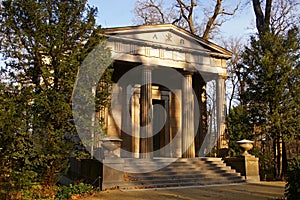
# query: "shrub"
66, 192
39, 192
292, 188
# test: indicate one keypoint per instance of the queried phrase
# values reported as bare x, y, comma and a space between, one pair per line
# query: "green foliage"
238, 128
66, 192
50, 139
266, 163
17, 152
292, 191
39, 192
44, 44
271, 71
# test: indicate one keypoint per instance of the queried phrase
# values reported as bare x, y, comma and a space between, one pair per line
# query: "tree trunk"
279, 157
212, 19
284, 159
262, 20
275, 157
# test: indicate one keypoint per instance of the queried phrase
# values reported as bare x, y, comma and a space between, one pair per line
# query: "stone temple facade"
159, 95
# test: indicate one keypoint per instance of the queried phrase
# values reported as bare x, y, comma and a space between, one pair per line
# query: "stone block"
112, 173
248, 166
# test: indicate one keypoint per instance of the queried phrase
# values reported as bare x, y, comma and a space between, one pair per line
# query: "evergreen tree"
239, 127
44, 43
16, 152
272, 89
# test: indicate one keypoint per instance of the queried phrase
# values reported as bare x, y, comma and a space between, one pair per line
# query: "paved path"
249, 191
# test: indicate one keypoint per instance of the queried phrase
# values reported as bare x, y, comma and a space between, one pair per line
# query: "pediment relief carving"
162, 38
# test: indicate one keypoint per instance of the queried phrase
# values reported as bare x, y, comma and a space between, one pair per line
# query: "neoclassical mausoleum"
159, 95
159, 130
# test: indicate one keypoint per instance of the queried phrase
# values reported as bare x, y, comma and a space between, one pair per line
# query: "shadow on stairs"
181, 172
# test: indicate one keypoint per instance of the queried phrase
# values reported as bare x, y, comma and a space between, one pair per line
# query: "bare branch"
232, 12
189, 16
262, 20
268, 12
279, 15
284, 16
183, 14
259, 15
149, 12
212, 19
158, 10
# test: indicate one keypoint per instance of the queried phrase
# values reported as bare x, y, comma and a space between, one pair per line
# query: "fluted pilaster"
221, 105
146, 114
188, 132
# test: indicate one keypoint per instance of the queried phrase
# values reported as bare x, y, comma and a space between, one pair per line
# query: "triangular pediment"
168, 46
167, 35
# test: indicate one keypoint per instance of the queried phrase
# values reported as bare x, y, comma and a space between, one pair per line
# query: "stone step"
154, 160
136, 185
180, 167
179, 176
204, 166
177, 163
197, 162
171, 160
177, 180
144, 173
184, 171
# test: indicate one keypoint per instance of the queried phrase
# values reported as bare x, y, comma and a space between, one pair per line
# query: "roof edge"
227, 54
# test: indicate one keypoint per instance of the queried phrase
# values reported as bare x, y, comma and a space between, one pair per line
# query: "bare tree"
235, 81
149, 12
185, 14
212, 22
262, 18
284, 15
278, 15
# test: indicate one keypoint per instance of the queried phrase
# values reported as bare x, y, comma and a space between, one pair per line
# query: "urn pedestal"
245, 145
245, 163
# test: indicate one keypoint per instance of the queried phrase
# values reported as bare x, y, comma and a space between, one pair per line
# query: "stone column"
176, 123
167, 149
126, 124
221, 105
188, 133
146, 143
135, 107
200, 92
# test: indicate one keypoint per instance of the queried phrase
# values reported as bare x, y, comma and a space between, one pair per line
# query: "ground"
246, 191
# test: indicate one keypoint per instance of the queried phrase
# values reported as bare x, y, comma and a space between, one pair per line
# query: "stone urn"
245, 145
109, 145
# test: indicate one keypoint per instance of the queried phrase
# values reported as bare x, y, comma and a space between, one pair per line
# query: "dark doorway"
159, 126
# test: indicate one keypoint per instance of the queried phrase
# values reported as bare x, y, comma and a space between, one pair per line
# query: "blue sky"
116, 13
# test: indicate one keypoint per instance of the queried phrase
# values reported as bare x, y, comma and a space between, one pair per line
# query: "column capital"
147, 67
146, 74
222, 76
187, 73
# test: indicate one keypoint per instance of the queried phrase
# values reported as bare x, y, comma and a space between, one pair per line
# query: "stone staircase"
182, 172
